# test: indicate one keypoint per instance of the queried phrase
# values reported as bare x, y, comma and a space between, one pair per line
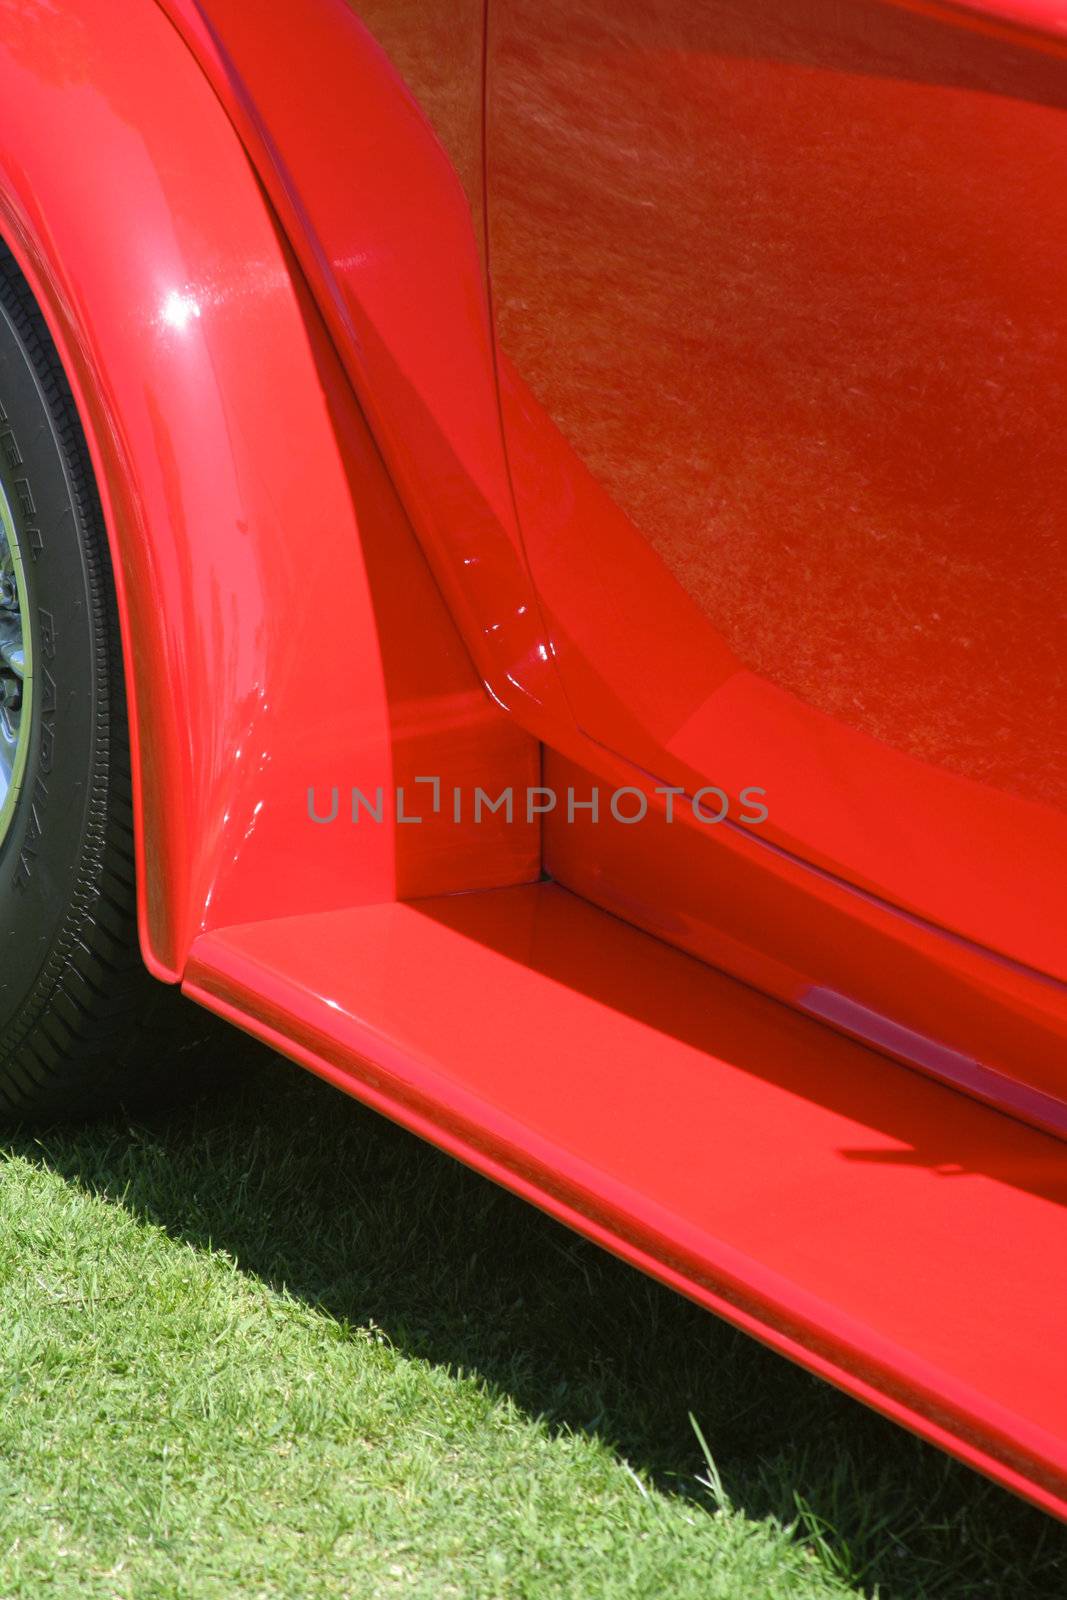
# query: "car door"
778, 298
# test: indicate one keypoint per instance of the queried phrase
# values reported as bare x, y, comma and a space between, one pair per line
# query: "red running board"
901, 1240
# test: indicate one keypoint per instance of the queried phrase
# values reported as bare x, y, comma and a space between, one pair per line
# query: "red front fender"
244, 499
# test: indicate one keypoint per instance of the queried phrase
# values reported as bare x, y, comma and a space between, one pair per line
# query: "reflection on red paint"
783, 279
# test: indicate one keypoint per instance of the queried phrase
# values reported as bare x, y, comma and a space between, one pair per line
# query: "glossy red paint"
398, 279
439, 52
789, 477
1043, 20
228, 337
763, 913
247, 506
989, 1026
884, 1231
401, 288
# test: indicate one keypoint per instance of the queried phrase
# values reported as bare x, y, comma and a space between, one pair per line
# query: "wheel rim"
16, 668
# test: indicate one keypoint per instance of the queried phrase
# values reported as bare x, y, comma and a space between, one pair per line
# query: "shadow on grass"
306, 1189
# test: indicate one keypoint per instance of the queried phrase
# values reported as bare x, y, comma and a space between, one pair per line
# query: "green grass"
273, 1346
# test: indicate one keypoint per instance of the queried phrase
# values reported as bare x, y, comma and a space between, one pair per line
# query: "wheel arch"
238, 482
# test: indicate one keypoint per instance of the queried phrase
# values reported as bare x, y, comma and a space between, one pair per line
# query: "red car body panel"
226, 444
890, 1234
379, 392
778, 276
403, 288
833, 417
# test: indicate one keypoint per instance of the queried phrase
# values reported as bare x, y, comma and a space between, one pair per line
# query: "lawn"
273, 1346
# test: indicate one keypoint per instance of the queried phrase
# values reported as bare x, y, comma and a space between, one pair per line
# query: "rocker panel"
884, 1231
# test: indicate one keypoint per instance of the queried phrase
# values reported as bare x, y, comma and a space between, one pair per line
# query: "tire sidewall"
46, 850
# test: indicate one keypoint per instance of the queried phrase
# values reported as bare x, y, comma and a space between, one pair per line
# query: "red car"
534, 580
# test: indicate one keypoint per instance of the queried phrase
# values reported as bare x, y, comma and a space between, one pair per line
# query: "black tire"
83, 1027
